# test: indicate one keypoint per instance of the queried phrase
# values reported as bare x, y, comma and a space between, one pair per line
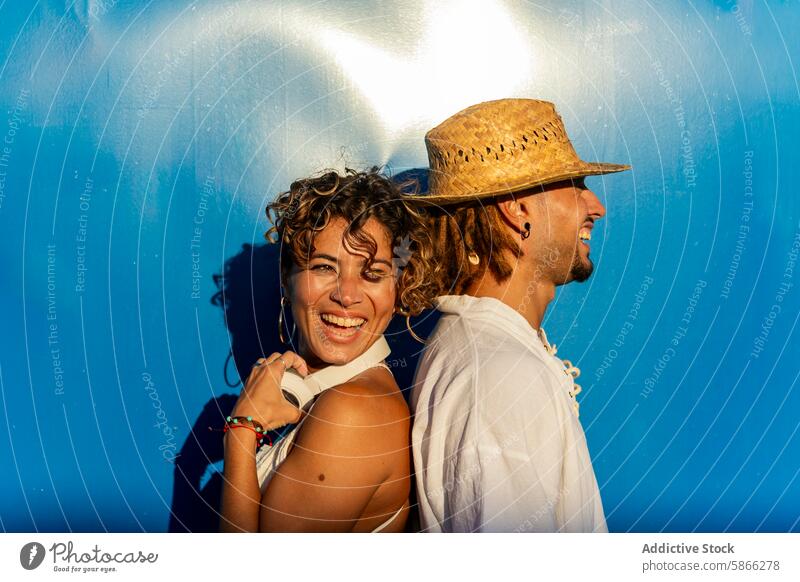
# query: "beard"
581, 269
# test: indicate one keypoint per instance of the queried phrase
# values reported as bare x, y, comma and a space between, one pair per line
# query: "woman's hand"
262, 398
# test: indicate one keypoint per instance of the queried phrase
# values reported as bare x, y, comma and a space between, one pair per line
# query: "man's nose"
593, 204
348, 289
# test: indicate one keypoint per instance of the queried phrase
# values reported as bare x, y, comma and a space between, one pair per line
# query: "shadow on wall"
249, 295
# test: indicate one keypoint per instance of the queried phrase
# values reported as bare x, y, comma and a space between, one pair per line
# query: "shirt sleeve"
519, 431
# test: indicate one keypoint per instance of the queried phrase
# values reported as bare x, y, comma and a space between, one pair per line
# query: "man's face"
564, 215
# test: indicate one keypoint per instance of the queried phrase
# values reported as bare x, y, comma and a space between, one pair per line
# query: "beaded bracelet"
248, 420
250, 424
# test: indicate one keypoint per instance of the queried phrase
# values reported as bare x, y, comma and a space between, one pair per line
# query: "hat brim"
580, 170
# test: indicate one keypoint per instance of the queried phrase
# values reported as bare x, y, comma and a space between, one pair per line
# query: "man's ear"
515, 212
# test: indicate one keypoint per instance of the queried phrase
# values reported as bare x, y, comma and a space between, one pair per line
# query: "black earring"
526, 232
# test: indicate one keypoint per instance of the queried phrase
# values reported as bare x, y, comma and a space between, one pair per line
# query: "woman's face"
340, 303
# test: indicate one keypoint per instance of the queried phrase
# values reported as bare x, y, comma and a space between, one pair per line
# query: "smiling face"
340, 302
562, 227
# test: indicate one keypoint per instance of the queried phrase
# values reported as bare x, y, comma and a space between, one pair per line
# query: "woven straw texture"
500, 147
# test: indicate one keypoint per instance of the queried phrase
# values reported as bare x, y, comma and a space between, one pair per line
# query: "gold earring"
473, 258
411, 331
280, 320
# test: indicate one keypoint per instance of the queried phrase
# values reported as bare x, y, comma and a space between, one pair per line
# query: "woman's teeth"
343, 321
585, 234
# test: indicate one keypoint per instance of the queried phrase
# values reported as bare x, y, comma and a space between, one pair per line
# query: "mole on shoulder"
321, 477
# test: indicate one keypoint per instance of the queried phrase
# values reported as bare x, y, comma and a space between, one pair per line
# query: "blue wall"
142, 140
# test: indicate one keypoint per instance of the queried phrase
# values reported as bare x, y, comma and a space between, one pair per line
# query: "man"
496, 438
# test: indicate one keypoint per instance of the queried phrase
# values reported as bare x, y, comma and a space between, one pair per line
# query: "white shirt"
496, 440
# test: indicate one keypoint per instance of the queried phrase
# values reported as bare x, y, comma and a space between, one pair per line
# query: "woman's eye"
375, 274
322, 268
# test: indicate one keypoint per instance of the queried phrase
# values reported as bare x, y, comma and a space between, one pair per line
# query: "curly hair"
310, 203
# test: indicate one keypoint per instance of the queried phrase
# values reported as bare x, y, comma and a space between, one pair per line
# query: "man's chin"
581, 270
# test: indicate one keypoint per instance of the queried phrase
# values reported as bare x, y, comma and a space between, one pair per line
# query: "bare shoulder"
366, 415
368, 400
349, 467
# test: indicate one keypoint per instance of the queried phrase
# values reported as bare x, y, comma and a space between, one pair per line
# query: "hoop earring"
526, 230
411, 331
228, 360
284, 302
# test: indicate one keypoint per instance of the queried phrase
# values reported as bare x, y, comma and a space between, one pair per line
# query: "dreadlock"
459, 232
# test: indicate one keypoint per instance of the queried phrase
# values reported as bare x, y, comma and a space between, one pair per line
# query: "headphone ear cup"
295, 390
291, 398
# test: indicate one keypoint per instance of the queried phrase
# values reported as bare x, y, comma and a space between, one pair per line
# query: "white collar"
494, 310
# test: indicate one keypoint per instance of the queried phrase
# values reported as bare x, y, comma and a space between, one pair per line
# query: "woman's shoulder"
371, 399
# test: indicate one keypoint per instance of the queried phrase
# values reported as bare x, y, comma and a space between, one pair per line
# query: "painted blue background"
142, 140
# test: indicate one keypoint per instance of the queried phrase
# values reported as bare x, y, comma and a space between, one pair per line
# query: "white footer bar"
402, 557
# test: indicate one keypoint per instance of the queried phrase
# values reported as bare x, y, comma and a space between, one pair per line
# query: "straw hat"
500, 147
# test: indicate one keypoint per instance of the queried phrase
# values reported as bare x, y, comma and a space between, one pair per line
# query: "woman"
353, 253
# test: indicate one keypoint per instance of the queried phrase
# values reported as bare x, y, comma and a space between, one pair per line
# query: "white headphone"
302, 391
